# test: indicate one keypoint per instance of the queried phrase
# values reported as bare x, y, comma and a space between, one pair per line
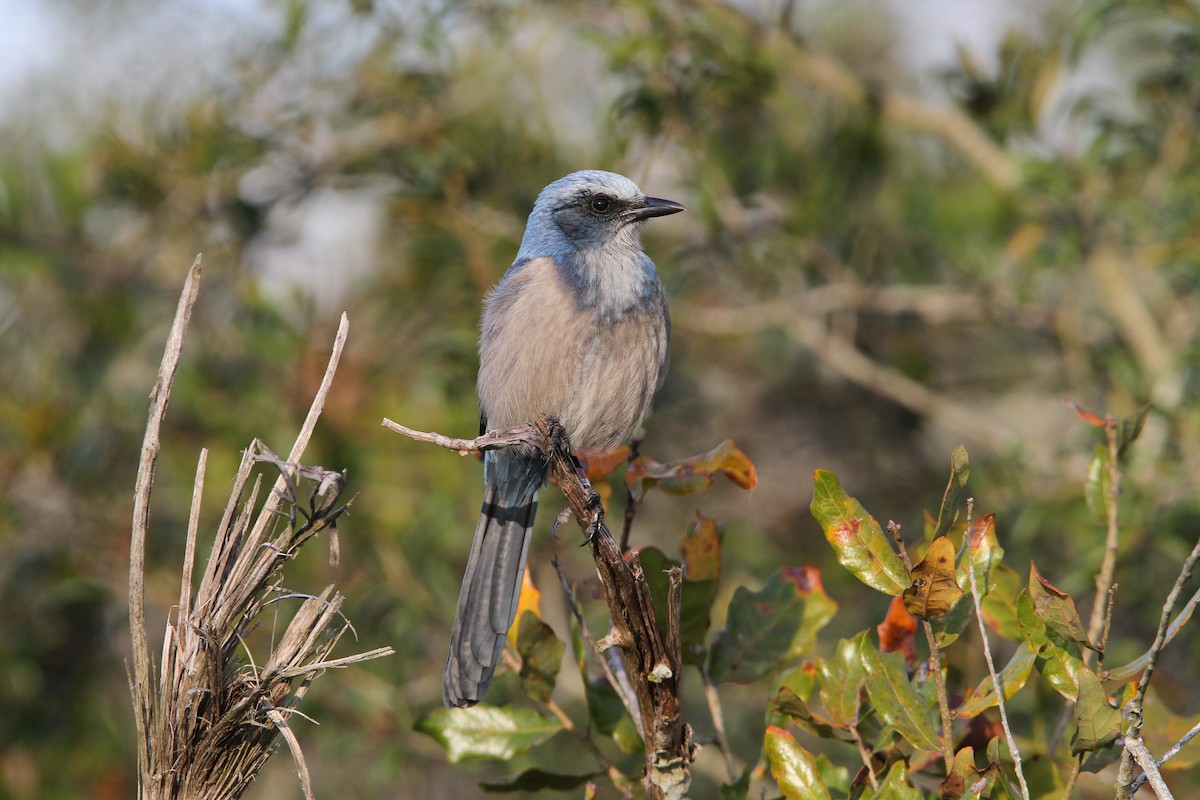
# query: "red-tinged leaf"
1056, 608
896, 700
842, 676
762, 626
484, 731
1059, 660
934, 588
701, 550
895, 785
1090, 417
599, 465
819, 608
692, 474
793, 767
983, 554
1097, 723
898, 631
860, 544
541, 656
1012, 678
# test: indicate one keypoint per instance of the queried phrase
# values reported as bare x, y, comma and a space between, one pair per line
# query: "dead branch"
212, 720
651, 656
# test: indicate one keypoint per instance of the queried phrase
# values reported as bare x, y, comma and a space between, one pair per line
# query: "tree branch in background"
211, 722
652, 656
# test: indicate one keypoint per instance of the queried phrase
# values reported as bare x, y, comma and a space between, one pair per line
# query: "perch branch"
652, 659
1167, 756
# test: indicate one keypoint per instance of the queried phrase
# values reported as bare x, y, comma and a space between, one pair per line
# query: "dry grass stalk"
214, 716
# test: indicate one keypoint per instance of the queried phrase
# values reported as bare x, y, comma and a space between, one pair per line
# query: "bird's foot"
563, 516
596, 506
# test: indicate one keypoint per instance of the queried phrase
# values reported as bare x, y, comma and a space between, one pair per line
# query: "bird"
578, 329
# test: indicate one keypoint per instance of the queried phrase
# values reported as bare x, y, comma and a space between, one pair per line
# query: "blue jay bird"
577, 329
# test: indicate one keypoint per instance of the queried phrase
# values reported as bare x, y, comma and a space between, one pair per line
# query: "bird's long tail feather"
487, 601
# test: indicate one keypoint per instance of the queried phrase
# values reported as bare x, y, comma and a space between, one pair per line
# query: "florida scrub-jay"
577, 329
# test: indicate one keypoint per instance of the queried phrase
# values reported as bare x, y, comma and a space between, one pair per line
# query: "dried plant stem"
143, 705
997, 681
935, 660
1134, 733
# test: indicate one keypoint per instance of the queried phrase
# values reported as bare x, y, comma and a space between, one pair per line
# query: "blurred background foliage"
898, 240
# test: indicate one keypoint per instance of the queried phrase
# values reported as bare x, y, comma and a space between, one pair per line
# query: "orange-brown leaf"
1090, 417
897, 632
692, 474
530, 599
701, 550
599, 465
934, 588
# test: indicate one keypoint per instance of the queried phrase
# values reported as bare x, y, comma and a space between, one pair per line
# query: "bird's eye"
601, 204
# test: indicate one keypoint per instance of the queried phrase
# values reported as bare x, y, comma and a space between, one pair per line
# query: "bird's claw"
563, 516
596, 506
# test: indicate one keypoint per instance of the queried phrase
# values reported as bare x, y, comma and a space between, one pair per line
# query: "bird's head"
591, 210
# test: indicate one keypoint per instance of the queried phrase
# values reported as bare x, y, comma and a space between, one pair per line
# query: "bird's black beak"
653, 207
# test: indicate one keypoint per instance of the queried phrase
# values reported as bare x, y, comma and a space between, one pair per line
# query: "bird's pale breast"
541, 354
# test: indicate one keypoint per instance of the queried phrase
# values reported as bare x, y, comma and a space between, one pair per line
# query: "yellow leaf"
934, 588
530, 600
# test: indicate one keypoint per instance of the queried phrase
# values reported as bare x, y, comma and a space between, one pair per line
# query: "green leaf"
533, 780
762, 626
692, 474
787, 704
484, 731
1012, 678
1163, 728
1097, 723
1000, 605
793, 767
964, 781
860, 544
960, 471
896, 786
895, 699
739, 790
1059, 660
1056, 608
1130, 428
695, 603
1096, 488
541, 656
841, 677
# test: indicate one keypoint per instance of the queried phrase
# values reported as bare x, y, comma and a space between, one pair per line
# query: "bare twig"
618, 681
718, 718
935, 659
864, 752
997, 681
1167, 756
1137, 748
1104, 577
1134, 733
